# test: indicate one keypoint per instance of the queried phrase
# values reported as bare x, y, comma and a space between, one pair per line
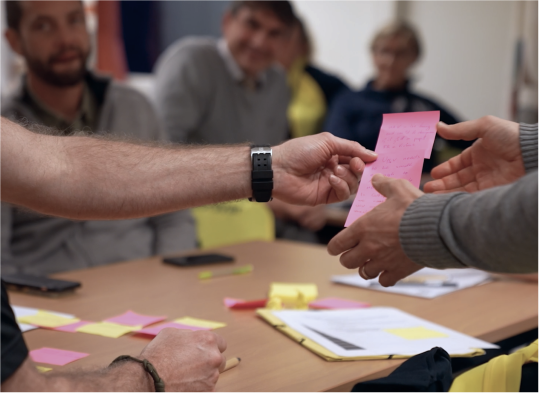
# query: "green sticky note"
416, 333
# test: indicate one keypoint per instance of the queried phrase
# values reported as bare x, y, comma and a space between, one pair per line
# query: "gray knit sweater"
494, 229
200, 101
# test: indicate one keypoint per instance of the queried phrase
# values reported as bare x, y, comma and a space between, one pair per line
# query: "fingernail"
442, 123
371, 153
334, 179
340, 171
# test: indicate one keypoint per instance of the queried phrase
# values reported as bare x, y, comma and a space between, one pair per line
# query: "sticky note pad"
47, 320
416, 333
199, 323
42, 369
403, 131
399, 164
72, 328
131, 318
107, 329
292, 292
54, 356
244, 304
334, 303
154, 330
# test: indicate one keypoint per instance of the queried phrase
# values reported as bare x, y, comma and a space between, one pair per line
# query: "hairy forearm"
123, 377
89, 178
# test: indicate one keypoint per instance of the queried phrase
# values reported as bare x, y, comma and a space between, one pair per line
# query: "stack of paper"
31, 318
426, 283
370, 333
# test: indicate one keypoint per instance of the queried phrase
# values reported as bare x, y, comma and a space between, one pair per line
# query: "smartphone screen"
198, 260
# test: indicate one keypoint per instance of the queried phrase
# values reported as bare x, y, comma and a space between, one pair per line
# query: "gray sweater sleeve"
494, 230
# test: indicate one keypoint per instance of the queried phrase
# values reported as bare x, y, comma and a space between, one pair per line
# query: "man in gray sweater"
483, 215
59, 92
231, 90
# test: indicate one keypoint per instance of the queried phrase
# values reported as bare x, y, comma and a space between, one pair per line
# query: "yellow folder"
324, 353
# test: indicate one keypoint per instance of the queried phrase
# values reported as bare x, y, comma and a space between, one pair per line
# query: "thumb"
382, 184
468, 130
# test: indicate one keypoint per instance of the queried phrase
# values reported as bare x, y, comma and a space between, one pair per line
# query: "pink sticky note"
337, 303
131, 318
399, 164
244, 304
408, 131
57, 357
73, 327
154, 330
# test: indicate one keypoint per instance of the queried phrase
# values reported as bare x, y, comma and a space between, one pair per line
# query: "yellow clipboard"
269, 317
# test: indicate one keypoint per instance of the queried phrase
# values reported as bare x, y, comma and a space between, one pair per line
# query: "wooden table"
270, 360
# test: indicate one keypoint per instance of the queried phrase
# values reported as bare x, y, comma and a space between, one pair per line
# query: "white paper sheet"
364, 332
27, 311
460, 278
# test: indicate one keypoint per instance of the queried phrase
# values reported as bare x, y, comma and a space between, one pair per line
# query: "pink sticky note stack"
154, 330
58, 357
131, 318
73, 327
404, 140
335, 303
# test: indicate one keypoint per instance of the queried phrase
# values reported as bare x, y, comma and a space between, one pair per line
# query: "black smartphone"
198, 260
39, 285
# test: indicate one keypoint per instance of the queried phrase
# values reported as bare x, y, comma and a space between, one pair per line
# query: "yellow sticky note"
107, 329
42, 369
416, 333
47, 320
292, 293
200, 323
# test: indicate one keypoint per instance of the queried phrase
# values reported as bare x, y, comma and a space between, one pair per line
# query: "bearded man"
59, 92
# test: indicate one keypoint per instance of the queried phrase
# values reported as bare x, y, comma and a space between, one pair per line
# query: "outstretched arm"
92, 178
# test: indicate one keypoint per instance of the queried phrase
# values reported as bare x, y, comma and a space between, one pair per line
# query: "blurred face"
291, 49
392, 58
254, 36
53, 39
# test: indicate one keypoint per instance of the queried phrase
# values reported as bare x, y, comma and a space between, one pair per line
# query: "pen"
419, 284
237, 270
231, 363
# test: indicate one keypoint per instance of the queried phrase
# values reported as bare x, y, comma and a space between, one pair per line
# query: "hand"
493, 160
185, 360
371, 244
318, 169
310, 217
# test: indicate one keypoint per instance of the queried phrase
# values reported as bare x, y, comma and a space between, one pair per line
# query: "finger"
454, 181
388, 278
222, 366
467, 130
453, 165
340, 188
356, 257
371, 270
343, 147
347, 238
221, 342
348, 176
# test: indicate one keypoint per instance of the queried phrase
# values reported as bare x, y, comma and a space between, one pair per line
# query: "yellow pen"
229, 272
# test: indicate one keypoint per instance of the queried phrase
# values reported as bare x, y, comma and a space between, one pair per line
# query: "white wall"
469, 47
341, 33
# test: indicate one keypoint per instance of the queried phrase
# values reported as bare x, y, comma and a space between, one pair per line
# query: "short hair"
402, 29
282, 9
14, 13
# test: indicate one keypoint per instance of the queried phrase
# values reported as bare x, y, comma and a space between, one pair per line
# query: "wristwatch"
262, 174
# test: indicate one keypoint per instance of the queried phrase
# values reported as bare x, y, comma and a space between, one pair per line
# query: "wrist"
278, 171
139, 379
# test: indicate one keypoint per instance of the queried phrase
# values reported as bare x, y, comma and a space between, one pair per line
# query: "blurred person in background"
358, 115
59, 92
313, 90
231, 90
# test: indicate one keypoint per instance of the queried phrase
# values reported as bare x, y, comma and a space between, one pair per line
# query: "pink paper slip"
405, 131
154, 330
239, 304
58, 357
337, 304
131, 318
73, 327
399, 164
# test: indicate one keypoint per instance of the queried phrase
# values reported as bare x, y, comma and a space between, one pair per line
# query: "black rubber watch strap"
261, 174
